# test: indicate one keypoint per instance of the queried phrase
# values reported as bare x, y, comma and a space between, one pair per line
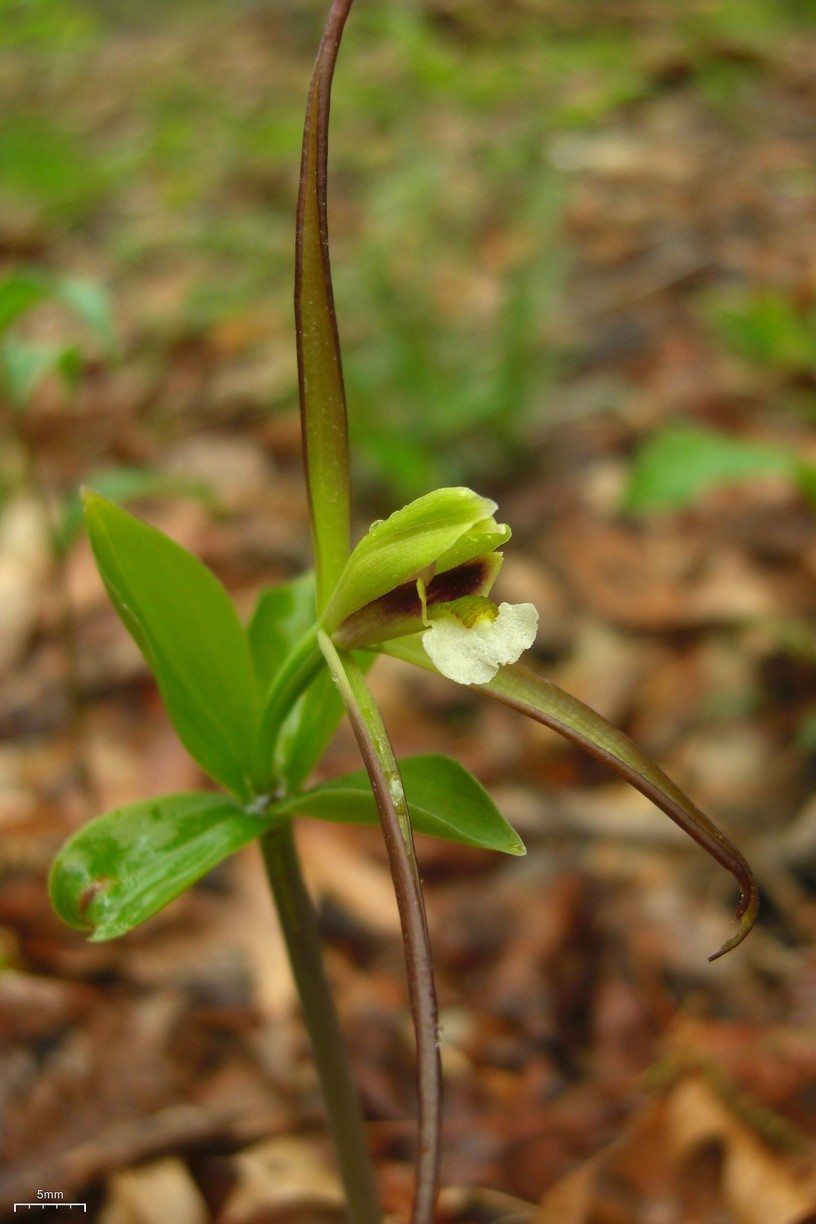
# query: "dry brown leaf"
459, 1205
283, 1180
657, 580
235, 469
666, 1152
758, 1185
357, 882
24, 565
571, 1200
153, 1194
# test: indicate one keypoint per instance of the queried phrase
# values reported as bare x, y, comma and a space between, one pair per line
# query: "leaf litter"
596, 1068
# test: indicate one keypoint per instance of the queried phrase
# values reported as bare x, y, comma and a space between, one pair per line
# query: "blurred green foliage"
678, 464
439, 404
43, 164
25, 364
124, 485
765, 327
747, 24
49, 26
168, 136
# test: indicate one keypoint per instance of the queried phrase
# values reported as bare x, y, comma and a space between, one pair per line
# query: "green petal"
485, 538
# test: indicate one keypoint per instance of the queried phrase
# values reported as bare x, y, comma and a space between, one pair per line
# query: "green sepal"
405, 545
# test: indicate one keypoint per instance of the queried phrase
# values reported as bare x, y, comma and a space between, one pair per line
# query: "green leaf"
444, 800
86, 299
678, 464
806, 479
91, 303
320, 373
306, 733
767, 328
69, 366
407, 543
49, 168
24, 365
19, 293
125, 866
125, 484
186, 626
523, 690
282, 615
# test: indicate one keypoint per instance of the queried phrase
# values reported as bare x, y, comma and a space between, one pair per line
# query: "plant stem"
389, 794
302, 936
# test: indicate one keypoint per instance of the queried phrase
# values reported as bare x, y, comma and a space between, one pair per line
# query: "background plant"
27, 365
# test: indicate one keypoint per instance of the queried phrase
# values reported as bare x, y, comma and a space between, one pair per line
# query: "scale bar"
84, 1206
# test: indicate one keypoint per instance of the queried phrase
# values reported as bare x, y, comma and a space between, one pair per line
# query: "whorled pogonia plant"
256, 706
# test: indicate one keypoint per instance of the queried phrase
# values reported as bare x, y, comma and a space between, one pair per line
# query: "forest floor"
555, 238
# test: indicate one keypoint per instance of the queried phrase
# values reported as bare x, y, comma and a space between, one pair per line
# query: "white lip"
474, 655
